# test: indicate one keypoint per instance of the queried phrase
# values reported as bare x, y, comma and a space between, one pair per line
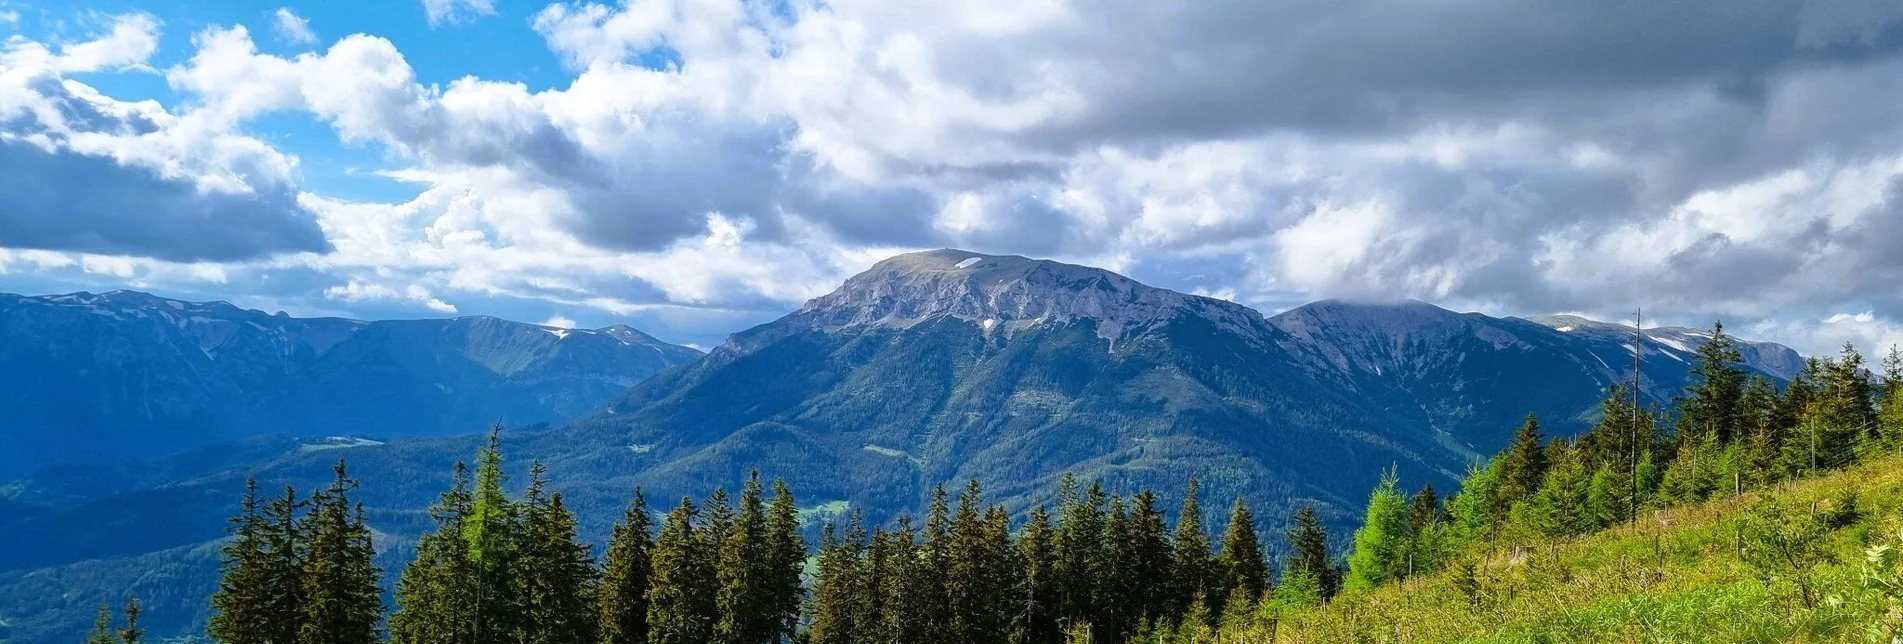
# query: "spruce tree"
132, 633
918, 584
1244, 568
1112, 614
836, 588
556, 576
435, 596
1711, 408
238, 607
102, 628
681, 595
1559, 508
1378, 544
343, 604
1308, 551
1150, 558
931, 601
1193, 565
622, 601
1037, 620
1004, 573
785, 559
285, 541
969, 574
1080, 532
1522, 465
874, 612
1424, 510
743, 569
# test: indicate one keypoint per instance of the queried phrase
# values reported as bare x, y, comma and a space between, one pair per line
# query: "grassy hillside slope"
1680, 575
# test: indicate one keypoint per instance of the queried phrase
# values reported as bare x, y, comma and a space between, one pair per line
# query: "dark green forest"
1092, 565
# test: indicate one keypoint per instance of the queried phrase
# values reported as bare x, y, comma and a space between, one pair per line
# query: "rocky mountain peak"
1006, 292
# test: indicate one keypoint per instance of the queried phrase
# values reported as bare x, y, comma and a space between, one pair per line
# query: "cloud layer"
715, 160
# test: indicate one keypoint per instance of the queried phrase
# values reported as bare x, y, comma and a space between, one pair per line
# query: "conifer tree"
490, 532
969, 574
1379, 542
1475, 511
1111, 613
1005, 572
343, 604
1522, 465
284, 574
747, 614
1193, 566
1424, 510
912, 616
681, 592
836, 588
875, 614
1559, 509
1711, 408
435, 595
102, 628
132, 633
1079, 539
557, 577
785, 560
1150, 558
1607, 498
1037, 619
1245, 570
930, 599
238, 607
1298, 588
622, 602
1308, 551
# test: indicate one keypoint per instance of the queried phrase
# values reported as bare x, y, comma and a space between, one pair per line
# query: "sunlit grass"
1675, 576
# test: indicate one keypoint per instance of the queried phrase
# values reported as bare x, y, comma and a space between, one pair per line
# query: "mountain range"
929, 368
114, 376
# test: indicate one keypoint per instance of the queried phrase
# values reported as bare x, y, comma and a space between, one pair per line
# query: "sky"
694, 167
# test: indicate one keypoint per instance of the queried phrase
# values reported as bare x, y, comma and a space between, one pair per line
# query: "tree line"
1728, 431
499, 570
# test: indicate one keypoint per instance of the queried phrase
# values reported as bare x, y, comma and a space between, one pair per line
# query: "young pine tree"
622, 600
343, 604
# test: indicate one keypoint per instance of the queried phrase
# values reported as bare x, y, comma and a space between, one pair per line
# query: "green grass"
1676, 576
